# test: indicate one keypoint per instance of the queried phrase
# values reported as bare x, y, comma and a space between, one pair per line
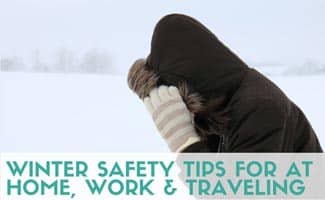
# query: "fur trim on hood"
142, 80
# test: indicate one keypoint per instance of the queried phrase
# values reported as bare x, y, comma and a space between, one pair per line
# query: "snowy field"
98, 113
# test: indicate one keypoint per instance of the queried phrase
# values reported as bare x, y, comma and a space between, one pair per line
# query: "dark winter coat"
236, 108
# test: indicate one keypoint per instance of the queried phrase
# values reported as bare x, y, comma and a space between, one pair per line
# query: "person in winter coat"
203, 98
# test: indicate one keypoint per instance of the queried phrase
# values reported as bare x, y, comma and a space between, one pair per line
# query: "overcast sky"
277, 31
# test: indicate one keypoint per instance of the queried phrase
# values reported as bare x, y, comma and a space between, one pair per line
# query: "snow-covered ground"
98, 113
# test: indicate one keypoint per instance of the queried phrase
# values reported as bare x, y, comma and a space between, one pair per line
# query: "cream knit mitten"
171, 117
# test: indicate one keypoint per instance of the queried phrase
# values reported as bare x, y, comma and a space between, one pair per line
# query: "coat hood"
184, 50
184, 53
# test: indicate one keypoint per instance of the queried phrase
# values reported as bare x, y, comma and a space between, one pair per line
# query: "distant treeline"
63, 61
307, 68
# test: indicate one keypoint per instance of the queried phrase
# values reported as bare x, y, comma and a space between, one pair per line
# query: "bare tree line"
62, 61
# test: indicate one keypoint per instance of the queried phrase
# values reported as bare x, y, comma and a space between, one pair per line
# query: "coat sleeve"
258, 125
306, 138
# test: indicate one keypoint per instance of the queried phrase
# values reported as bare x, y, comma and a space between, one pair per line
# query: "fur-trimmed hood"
186, 54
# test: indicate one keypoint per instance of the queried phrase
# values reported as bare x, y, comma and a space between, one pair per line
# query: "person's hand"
171, 117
